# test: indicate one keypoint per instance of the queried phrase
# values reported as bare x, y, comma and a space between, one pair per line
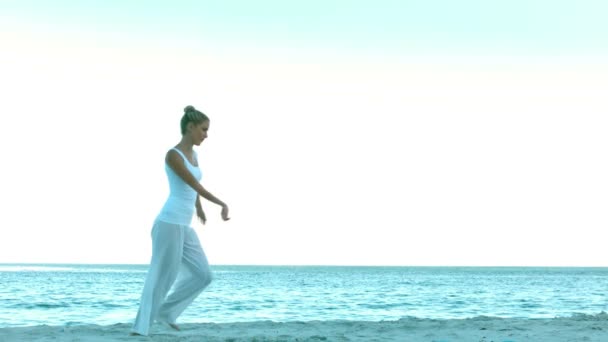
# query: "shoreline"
576, 328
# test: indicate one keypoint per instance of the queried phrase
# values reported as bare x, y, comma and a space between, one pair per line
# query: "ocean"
55, 294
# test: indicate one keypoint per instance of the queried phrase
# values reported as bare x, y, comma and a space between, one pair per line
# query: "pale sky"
342, 132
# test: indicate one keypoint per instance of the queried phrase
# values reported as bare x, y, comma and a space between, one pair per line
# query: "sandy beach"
577, 328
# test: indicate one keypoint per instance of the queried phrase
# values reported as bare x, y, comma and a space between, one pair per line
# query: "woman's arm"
199, 211
198, 204
176, 162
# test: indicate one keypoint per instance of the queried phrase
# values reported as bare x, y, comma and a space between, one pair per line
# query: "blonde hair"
193, 115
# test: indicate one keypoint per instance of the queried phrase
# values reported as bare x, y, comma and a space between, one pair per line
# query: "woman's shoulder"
173, 154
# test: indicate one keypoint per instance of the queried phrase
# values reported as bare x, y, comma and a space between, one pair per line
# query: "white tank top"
179, 207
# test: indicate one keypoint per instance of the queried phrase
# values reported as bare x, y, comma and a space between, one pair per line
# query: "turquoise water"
109, 294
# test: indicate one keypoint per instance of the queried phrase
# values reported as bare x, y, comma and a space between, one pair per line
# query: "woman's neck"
185, 144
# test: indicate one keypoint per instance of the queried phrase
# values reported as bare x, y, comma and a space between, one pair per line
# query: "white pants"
172, 246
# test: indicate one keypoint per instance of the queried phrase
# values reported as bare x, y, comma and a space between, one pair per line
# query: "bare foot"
174, 326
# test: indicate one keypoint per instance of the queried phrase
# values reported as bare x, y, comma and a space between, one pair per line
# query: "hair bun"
189, 109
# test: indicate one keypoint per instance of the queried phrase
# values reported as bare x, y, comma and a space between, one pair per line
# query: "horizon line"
304, 265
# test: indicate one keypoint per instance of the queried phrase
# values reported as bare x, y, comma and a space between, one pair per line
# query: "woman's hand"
225, 213
201, 215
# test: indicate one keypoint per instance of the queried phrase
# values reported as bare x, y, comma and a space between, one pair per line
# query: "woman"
174, 242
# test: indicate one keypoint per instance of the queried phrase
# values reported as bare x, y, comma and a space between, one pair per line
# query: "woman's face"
198, 132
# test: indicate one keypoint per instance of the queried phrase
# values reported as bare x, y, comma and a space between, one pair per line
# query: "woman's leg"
167, 249
194, 281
